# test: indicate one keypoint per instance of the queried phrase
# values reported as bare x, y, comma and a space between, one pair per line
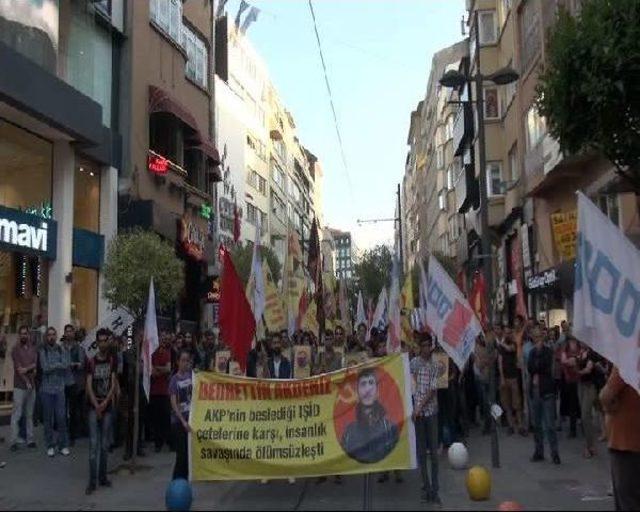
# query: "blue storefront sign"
27, 233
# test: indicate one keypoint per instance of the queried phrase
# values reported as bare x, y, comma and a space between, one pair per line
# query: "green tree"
133, 258
373, 270
242, 255
589, 89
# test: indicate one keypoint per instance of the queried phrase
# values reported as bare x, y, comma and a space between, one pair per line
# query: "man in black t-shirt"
101, 383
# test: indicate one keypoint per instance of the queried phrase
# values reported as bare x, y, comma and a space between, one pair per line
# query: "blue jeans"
54, 409
99, 430
544, 420
427, 436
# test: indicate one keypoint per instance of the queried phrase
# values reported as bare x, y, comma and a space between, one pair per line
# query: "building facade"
344, 253
171, 164
60, 156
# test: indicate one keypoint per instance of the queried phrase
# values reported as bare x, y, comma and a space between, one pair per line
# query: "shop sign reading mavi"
192, 238
28, 233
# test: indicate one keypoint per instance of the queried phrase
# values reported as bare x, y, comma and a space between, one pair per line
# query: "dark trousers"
75, 411
98, 444
181, 468
570, 404
625, 468
160, 415
544, 421
427, 437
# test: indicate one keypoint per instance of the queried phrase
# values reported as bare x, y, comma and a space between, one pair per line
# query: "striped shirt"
425, 374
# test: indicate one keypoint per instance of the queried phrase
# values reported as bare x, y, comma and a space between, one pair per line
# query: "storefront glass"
86, 200
84, 297
26, 164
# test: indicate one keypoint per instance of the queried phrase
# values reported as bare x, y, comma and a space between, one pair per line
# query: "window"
494, 178
263, 223
536, 127
444, 244
277, 175
509, 92
278, 207
610, 206
197, 57
262, 185
252, 178
488, 27
491, 103
167, 15
514, 169
454, 227
440, 157
449, 127
252, 214
450, 177
531, 39
442, 200
280, 150
505, 7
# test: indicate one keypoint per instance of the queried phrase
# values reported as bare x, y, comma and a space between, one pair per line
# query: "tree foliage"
242, 255
133, 258
589, 90
373, 270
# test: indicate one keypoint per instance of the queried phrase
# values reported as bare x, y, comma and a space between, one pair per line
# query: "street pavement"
30, 480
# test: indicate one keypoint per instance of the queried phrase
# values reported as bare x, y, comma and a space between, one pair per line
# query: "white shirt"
276, 367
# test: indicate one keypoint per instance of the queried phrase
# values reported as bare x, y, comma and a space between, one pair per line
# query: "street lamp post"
503, 76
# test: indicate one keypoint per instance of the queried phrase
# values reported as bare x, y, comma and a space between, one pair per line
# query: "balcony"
462, 128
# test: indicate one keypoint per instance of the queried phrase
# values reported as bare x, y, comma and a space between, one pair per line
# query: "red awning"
209, 150
161, 101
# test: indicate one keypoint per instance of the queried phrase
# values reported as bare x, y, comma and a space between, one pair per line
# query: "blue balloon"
178, 495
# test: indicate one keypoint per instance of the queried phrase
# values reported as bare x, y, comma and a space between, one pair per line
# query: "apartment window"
514, 169
277, 175
491, 103
280, 149
536, 127
263, 223
278, 207
505, 7
444, 244
531, 39
252, 178
449, 127
509, 92
450, 177
494, 178
440, 157
167, 15
262, 185
252, 214
488, 27
442, 200
610, 206
197, 56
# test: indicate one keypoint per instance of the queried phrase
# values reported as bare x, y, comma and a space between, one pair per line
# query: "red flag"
236, 224
237, 325
477, 298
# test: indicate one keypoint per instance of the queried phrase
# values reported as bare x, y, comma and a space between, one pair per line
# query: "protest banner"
245, 429
606, 301
235, 369
117, 322
222, 361
449, 315
301, 361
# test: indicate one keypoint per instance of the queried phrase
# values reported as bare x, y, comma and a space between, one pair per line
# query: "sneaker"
556, 459
321, 480
537, 457
383, 478
435, 499
14, 447
32, 444
399, 479
51, 452
338, 480
65, 451
105, 483
425, 497
90, 489
264, 481
291, 481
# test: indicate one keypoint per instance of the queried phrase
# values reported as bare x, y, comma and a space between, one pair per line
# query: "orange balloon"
510, 506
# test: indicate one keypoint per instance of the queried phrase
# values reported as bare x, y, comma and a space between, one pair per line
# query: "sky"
378, 56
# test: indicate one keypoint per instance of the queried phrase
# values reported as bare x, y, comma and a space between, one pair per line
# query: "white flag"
606, 299
450, 316
393, 335
255, 286
361, 316
150, 341
381, 312
422, 293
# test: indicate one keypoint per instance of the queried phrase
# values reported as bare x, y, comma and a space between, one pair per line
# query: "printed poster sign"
442, 364
247, 429
117, 321
565, 233
222, 361
235, 369
301, 361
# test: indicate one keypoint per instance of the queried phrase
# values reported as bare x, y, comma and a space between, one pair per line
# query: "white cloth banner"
150, 341
381, 312
449, 315
117, 322
606, 299
255, 286
361, 317
394, 333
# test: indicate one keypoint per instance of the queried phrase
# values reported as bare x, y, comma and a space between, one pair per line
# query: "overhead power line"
333, 107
